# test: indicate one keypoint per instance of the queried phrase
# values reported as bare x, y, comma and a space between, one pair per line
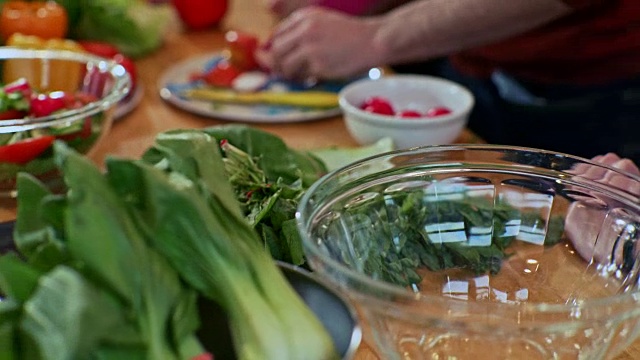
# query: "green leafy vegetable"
134, 27
267, 177
220, 253
391, 238
130, 252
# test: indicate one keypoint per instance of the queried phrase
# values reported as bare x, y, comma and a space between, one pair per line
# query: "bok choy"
113, 268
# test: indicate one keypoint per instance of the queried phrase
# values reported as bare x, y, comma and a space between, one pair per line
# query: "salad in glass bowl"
48, 96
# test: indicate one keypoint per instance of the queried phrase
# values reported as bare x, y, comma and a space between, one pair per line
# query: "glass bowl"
481, 252
96, 85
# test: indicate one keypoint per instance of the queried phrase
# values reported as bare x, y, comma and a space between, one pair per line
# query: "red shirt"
598, 43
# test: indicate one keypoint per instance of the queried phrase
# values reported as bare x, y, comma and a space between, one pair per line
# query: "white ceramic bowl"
407, 92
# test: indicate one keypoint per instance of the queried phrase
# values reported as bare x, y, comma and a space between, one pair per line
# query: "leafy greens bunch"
113, 268
393, 241
268, 179
135, 27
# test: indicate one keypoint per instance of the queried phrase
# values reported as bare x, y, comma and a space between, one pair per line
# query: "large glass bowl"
100, 82
481, 252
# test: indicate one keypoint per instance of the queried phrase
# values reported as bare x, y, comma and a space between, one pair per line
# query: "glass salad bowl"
52, 95
481, 252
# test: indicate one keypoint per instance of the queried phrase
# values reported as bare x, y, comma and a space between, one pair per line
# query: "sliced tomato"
241, 49
99, 48
221, 75
20, 85
47, 104
12, 114
26, 150
438, 111
410, 114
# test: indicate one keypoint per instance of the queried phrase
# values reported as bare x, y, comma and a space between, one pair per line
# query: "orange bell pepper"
45, 19
44, 75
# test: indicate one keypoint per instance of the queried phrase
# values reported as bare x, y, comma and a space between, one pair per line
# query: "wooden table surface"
134, 133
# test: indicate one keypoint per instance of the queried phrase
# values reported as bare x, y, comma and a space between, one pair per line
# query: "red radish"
410, 114
378, 105
438, 111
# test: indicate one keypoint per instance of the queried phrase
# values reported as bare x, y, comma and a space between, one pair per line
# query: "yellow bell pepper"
44, 75
310, 99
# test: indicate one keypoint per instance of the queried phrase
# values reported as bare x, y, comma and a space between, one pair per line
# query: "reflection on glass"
480, 289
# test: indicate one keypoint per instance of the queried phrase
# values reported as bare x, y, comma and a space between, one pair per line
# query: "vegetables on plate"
115, 266
238, 59
45, 19
240, 49
221, 75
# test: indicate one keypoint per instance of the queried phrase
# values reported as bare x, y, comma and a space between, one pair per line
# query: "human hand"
284, 8
320, 43
583, 224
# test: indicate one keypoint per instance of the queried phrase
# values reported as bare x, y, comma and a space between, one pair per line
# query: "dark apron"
583, 121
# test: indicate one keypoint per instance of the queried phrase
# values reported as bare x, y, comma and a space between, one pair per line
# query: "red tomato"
26, 150
204, 356
438, 111
241, 49
45, 19
99, 48
410, 114
378, 105
221, 75
20, 85
200, 14
109, 51
12, 114
46, 104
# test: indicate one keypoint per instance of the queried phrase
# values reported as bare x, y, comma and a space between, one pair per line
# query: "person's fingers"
627, 165
293, 41
594, 173
295, 65
621, 181
606, 159
291, 22
265, 59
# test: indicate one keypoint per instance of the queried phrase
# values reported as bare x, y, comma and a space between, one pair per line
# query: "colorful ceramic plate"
177, 79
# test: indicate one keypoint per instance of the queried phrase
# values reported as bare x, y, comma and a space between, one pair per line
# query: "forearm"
432, 28
383, 6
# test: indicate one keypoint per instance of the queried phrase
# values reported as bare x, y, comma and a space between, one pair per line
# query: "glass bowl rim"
410, 298
121, 87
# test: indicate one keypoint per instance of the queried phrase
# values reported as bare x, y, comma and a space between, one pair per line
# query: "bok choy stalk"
90, 286
188, 209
